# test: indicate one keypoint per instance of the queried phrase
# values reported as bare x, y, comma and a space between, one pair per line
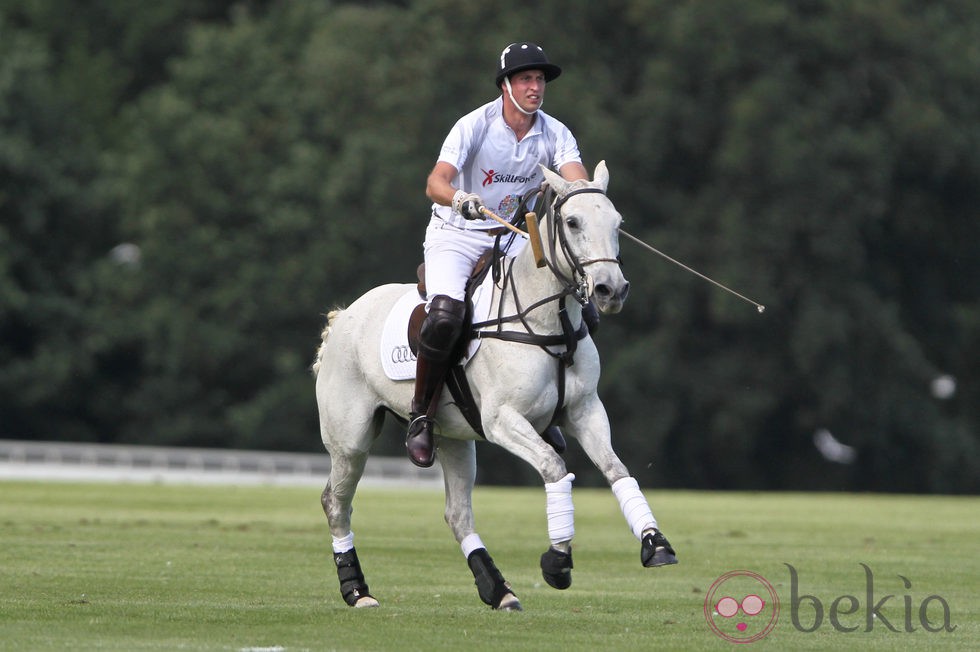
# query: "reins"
578, 285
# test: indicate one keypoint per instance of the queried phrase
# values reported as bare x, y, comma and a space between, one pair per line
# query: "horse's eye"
572, 223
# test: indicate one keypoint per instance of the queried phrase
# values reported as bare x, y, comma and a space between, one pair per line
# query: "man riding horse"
491, 157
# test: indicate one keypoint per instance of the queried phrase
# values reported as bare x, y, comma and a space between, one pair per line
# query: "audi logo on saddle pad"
402, 354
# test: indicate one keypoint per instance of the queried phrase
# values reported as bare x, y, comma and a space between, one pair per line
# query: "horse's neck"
533, 284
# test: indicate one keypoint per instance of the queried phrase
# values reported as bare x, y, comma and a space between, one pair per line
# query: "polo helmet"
524, 56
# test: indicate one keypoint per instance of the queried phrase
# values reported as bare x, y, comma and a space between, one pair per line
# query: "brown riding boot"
428, 387
419, 440
438, 336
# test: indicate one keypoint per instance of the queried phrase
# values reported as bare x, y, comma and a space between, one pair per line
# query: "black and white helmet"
524, 56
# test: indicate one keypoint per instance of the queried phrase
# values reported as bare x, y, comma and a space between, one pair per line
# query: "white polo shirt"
494, 165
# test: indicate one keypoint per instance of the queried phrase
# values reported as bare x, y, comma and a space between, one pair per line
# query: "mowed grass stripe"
145, 567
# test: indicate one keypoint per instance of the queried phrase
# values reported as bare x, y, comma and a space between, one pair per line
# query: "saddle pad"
397, 358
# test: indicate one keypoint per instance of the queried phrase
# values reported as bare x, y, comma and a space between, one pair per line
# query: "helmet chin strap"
510, 94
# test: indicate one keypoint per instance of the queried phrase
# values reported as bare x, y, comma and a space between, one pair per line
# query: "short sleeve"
566, 147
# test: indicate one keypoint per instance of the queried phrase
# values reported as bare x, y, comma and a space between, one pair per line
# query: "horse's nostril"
626, 291
603, 290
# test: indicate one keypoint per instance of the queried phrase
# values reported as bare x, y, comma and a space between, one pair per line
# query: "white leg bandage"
634, 506
561, 511
343, 544
470, 543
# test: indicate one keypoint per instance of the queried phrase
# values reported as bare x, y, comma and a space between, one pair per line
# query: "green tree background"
187, 187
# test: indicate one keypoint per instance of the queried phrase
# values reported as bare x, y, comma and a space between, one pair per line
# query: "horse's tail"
321, 350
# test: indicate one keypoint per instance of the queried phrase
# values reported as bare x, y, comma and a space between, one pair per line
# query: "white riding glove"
468, 205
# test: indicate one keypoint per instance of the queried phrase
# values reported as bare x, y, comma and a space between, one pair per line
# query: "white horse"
516, 387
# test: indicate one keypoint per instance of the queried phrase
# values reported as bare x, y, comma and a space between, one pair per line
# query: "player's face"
528, 88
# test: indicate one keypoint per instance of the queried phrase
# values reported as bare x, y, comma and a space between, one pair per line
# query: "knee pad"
442, 327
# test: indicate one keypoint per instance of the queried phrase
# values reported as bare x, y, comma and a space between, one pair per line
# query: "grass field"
144, 567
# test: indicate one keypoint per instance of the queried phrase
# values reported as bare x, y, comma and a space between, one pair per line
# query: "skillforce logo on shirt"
491, 176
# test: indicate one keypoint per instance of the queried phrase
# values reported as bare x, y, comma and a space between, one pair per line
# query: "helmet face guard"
524, 56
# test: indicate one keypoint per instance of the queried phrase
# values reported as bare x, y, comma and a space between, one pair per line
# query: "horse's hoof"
366, 602
656, 551
509, 603
556, 568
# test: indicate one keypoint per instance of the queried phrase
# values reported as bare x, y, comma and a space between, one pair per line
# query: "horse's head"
586, 226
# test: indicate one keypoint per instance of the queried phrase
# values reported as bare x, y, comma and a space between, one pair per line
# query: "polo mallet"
758, 306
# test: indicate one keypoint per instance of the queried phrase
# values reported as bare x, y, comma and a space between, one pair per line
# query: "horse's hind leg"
336, 500
458, 460
346, 469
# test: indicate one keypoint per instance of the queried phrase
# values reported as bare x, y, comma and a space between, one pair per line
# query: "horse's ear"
556, 181
601, 176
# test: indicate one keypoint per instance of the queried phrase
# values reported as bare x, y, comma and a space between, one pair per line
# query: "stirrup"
418, 423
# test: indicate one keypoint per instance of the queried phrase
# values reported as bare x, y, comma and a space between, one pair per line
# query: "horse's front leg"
508, 428
589, 424
458, 460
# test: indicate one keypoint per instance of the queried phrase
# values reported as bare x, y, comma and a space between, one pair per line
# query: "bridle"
580, 280
578, 284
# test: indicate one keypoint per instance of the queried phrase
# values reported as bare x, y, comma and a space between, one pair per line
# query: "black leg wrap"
656, 551
489, 582
352, 584
556, 567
